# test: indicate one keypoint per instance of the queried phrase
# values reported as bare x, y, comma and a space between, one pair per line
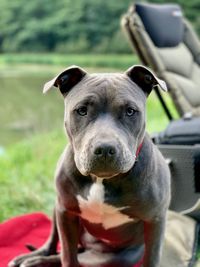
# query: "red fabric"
27, 229
15, 233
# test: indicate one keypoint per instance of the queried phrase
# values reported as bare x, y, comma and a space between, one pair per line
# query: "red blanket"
27, 229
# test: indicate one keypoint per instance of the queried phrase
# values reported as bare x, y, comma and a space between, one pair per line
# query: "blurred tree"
70, 26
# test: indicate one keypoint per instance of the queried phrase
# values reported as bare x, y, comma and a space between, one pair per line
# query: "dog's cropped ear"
145, 79
66, 79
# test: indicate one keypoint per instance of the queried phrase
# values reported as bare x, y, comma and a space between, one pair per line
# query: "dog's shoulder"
65, 164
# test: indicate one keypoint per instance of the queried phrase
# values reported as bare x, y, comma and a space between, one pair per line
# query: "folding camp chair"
166, 42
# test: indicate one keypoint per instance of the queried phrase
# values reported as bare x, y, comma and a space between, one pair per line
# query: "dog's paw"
16, 262
42, 261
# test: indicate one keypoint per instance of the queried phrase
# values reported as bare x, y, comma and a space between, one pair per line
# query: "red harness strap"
139, 149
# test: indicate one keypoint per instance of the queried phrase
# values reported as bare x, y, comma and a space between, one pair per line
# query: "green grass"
112, 61
26, 176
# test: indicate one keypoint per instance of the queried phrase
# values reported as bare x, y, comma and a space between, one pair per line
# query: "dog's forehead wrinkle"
119, 83
111, 86
106, 79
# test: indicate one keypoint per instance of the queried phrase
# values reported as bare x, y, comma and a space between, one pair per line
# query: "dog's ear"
145, 79
66, 79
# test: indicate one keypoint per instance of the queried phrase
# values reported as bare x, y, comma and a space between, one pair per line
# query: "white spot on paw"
11, 264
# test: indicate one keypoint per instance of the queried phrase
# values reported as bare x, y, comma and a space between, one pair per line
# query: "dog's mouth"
105, 171
104, 175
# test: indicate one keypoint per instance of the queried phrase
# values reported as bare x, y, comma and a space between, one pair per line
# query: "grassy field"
26, 176
27, 167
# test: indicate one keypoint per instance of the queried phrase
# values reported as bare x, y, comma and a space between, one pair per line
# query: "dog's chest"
95, 210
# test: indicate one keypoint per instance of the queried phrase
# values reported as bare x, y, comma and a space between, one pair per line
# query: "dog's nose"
105, 150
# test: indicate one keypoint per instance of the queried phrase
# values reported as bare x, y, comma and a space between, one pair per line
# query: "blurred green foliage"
63, 26
67, 26
29, 167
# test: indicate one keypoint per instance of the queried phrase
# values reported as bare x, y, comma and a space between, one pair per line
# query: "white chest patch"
94, 210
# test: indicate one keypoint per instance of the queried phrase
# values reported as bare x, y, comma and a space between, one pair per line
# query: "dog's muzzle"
104, 159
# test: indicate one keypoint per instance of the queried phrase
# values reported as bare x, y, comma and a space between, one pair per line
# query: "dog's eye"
130, 111
82, 111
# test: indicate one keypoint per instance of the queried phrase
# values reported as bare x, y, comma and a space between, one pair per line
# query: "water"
25, 110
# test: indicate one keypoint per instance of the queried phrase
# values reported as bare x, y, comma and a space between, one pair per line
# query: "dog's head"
105, 116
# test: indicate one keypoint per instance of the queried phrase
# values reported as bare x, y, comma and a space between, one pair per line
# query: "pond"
24, 109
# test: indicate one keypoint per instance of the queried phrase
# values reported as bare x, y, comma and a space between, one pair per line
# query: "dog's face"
105, 123
105, 117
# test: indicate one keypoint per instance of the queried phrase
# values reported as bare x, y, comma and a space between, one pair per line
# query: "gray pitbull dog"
113, 185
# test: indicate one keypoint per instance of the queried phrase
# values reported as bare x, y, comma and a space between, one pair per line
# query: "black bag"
185, 131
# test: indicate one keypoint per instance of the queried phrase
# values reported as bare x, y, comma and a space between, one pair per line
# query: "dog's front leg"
68, 225
153, 235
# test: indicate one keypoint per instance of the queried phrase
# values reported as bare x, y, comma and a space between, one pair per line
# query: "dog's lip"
104, 175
